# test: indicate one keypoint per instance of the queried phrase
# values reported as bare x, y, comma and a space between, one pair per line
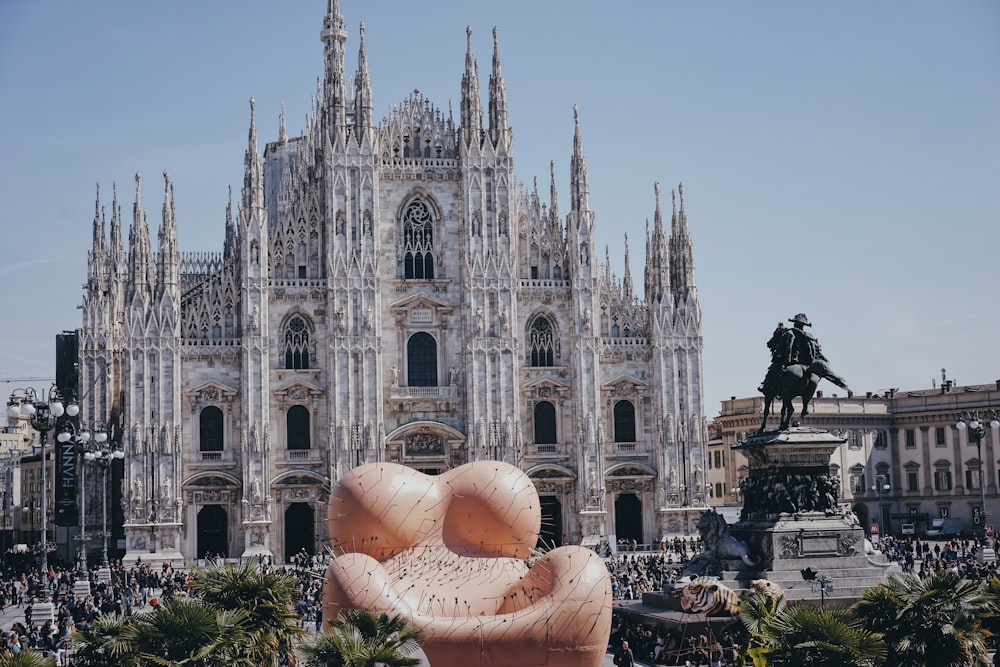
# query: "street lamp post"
103, 456
881, 485
25, 404
42, 413
977, 431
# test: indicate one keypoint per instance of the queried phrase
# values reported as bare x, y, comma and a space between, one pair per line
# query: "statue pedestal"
792, 526
792, 521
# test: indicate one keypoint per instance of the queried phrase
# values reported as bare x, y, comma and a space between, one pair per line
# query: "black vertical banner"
66, 513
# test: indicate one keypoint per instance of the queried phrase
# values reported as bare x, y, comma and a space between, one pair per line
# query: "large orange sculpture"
450, 553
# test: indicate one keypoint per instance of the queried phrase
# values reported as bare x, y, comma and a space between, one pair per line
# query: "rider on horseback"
790, 346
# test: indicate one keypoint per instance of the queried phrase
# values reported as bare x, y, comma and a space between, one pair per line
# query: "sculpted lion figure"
720, 546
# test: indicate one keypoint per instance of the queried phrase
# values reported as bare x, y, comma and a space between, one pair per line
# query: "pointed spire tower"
500, 133
333, 37
168, 258
97, 257
364, 124
141, 276
627, 291
579, 188
681, 256
657, 273
472, 115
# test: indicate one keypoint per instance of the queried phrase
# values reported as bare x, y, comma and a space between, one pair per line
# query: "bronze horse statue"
799, 381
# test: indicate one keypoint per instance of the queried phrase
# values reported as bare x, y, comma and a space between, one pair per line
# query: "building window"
296, 344
210, 429
541, 342
972, 477
911, 480
857, 483
718, 459
421, 360
881, 441
418, 242
718, 489
297, 425
911, 439
624, 421
853, 441
939, 436
942, 480
545, 423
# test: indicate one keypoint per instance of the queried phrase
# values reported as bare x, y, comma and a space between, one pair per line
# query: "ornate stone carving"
788, 546
424, 443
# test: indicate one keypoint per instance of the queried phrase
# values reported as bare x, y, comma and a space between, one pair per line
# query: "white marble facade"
389, 291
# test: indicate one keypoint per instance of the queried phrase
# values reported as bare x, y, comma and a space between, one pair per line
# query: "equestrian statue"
797, 366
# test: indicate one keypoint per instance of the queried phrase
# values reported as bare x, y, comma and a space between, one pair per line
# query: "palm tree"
103, 642
266, 596
190, 633
791, 634
26, 658
359, 638
932, 621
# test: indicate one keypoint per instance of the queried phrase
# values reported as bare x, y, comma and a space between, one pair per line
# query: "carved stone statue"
720, 546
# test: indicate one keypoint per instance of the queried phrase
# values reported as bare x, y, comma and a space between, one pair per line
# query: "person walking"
624, 657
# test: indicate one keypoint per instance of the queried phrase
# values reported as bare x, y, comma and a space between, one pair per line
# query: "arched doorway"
628, 518
551, 534
300, 530
213, 538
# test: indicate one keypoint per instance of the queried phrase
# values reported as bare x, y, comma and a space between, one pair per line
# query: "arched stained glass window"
418, 242
541, 342
296, 344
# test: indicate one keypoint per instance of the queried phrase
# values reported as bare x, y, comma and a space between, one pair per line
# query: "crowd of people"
24, 582
959, 555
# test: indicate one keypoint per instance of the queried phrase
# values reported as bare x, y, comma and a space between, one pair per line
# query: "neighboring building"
904, 459
391, 292
17, 441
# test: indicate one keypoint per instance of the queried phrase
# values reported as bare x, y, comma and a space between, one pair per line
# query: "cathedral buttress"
254, 427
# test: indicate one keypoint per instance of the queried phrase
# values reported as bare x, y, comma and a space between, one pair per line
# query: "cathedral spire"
657, 274
229, 247
97, 257
282, 134
168, 260
362, 92
333, 37
116, 251
681, 255
579, 190
553, 197
253, 182
99, 229
472, 115
141, 271
499, 132
627, 278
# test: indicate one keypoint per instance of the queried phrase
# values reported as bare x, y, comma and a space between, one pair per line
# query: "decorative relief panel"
424, 443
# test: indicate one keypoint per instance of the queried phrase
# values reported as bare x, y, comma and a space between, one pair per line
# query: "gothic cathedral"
388, 291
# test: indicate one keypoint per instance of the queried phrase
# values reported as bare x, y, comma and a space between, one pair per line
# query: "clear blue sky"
857, 144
